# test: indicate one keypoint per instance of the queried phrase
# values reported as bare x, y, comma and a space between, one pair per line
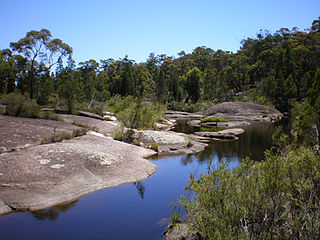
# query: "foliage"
277, 198
50, 115
133, 113
209, 119
155, 147
121, 133
193, 84
42, 52
276, 69
211, 129
60, 136
20, 106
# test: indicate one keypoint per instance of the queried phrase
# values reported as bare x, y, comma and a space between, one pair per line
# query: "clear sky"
113, 28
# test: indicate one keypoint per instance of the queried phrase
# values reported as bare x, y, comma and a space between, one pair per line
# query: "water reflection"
141, 189
252, 143
53, 213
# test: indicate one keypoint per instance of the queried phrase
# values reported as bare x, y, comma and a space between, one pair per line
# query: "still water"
133, 211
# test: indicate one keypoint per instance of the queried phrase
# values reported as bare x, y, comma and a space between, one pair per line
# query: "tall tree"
193, 84
41, 50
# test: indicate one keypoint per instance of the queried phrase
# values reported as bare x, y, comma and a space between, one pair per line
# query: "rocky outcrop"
182, 115
227, 134
179, 231
169, 143
97, 124
46, 175
243, 113
18, 133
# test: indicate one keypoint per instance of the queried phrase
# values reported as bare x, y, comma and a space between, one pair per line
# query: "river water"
132, 211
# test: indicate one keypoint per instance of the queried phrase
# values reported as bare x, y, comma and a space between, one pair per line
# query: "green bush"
121, 133
60, 136
278, 198
20, 106
212, 129
155, 147
133, 113
209, 119
50, 115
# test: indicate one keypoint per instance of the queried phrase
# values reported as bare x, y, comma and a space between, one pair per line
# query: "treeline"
280, 68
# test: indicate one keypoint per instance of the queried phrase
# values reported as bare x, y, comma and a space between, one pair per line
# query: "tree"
193, 84
88, 70
161, 86
41, 50
45, 88
7, 75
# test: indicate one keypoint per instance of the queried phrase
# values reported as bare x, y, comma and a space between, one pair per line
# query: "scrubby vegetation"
276, 69
133, 113
60, 136
18, 105
277, 198
209, 119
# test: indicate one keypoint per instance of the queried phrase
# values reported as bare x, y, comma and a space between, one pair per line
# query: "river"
132, 211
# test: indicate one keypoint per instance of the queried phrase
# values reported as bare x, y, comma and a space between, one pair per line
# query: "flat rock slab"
42, 176
17, 133
227, 134
244, 112
100, 125
182, 115
170, 143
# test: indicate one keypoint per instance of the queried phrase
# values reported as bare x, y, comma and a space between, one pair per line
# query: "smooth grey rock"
227, 134
243, 113
169, 143
4, 209
42, 176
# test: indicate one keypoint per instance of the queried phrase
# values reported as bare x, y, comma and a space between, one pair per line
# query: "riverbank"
34, 175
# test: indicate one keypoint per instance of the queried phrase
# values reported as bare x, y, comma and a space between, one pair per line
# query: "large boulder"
243, 111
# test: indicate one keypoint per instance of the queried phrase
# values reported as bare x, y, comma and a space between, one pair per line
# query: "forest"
281, 69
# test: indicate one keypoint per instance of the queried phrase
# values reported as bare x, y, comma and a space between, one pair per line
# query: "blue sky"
113, 28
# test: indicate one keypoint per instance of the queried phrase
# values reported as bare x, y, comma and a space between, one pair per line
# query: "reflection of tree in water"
141, 189
52, 213
185, 160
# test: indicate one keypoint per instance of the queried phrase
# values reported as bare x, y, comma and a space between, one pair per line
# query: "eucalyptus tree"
42, 51
7, 76
193, 84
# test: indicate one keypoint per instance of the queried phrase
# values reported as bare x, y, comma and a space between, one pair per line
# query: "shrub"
121, 133
155, 147
133, 113
277, 198
20, 106
212, 129
59, 137
209, 119
50, 115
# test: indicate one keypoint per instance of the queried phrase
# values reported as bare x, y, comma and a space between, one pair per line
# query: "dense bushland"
278, 69
277, 198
